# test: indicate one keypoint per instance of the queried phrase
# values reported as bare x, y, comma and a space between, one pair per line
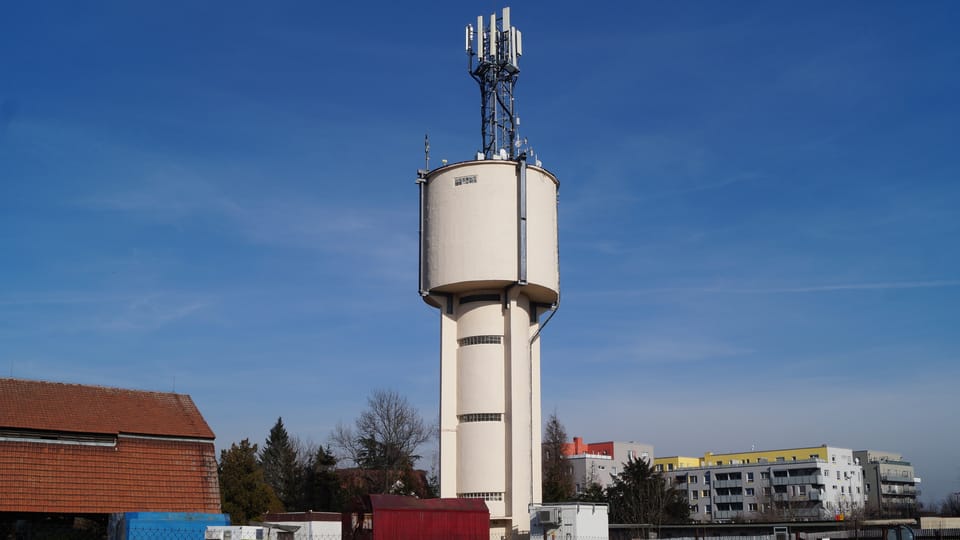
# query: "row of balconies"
809, 479
793, 513
906, 491
896, 478
811, 495
727, 483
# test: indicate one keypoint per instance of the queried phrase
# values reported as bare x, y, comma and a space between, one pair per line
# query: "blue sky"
758, 213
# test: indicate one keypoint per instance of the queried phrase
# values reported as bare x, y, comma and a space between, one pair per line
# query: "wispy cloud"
296, 222
883, 285
657, 349
152, 312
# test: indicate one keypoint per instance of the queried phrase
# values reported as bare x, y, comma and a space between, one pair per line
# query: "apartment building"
890, 484
796, 483
598, 463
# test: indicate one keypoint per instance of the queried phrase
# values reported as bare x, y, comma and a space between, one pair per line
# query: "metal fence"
926, 534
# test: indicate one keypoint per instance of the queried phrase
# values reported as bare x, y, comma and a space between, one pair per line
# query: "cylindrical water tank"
481, 232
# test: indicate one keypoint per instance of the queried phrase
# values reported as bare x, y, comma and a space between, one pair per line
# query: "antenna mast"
496, 47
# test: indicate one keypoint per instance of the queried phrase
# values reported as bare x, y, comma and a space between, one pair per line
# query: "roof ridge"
83, 408
100, 386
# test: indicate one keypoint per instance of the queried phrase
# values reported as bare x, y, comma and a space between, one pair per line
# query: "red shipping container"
395, 517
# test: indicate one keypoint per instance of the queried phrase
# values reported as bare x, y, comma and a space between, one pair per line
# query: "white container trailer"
569, 521
236, 532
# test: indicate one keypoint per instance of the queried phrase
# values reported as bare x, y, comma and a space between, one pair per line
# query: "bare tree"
384, 438
950, 507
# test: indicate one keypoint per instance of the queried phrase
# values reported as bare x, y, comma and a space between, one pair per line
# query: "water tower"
489, 262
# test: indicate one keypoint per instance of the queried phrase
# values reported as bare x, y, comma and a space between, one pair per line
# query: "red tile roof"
68, 448
74, 408
135, 475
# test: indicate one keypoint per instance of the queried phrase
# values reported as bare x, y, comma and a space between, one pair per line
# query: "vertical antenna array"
493, 49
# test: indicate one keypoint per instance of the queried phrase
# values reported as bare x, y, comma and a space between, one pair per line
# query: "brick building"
68, 449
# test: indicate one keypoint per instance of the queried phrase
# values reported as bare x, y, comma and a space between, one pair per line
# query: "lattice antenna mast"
493, 51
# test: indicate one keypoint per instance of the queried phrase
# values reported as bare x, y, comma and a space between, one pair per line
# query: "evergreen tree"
244, 493
280, 470
594, 493
557, 474
321, 486
641, 495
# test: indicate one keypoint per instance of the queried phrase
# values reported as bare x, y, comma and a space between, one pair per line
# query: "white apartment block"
599, 463
822, 485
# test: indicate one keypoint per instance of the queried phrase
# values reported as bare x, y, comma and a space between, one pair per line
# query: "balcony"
812, 495
728, 499
899, 490
727, 483
807, 479
726, 514
805, 512
896, 478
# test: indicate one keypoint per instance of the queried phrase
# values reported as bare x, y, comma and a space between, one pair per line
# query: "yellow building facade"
709, 459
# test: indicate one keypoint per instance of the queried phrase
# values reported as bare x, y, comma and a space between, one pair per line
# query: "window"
749, 477
767, 491
858, 490
765, 475
693, 479
480, 417
479, 298
705, 493
779, 458
694, 495
670, 466
814, 456
485, 495
645, 455
708, 509
838, 475
749, 491
793, 458
694, 508
801, 489
843, 489
479, 340
719, 462
658, 468
752, 507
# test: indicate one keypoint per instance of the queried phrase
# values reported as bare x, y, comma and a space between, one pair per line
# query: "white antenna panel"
513, 45
506, 19
480, 52
466, 38
519, 43
493, 35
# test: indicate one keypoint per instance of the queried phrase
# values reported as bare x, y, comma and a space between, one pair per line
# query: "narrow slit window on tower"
485, 495
480, 417
486, 297
480, 340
